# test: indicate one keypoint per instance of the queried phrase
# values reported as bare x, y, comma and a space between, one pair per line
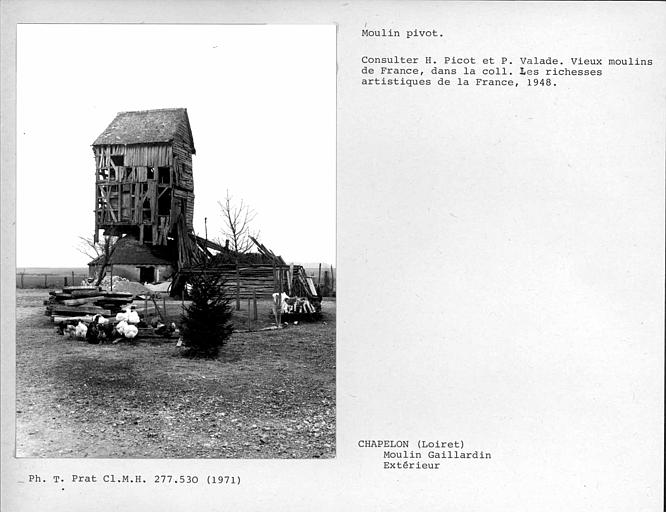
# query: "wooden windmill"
144, 186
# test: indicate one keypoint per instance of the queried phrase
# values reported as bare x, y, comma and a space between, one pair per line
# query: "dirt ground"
271, 394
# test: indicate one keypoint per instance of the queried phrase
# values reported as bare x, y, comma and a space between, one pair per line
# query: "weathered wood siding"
181, 196
127, 196
147, 155
183, 167
157, 155
183, 147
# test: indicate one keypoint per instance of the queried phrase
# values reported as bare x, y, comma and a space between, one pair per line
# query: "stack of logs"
81, 303
246, 282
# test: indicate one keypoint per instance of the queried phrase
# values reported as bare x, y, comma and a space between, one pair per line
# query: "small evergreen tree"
206, 323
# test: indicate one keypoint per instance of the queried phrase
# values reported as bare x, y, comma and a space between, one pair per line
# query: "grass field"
271, 394
50, 278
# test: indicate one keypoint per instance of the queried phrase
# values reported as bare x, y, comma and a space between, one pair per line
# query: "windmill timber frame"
143, 181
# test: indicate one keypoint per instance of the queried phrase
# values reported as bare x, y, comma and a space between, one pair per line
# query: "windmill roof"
145, 126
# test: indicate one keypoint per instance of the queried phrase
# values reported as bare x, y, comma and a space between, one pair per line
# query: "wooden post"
157, 309
249, 318
254, 299
275, 288
237, 287
73, 282
110, 277
279, 299
166, 316
319, 277
66, 281
332, 281
22, 274
290, 276
45, 280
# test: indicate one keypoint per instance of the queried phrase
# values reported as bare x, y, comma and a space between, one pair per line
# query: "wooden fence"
35, 280
324, 278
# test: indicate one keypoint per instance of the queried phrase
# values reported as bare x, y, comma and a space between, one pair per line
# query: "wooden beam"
207, 243
106, 200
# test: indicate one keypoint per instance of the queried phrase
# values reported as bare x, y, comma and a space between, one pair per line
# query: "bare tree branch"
95, 250
237, 227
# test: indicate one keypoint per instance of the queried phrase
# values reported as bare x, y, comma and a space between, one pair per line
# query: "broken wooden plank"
63, 295
118, 295
67, 310
68, 289
114, 300
58, 318
80, 302
80, 294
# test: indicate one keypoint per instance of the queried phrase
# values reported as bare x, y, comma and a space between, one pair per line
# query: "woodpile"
97, 316
74, 303
248, 281
261, 276
262, 281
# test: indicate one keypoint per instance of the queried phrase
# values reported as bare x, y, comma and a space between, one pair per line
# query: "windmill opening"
118, 160
164, 204
163, 175
146, 217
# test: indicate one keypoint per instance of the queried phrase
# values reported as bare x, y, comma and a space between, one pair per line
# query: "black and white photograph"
380, 255
176, 242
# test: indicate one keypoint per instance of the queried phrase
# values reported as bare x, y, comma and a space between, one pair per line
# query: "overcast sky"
261, 103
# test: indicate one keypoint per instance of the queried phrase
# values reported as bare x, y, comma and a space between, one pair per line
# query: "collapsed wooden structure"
261, 281
144, 193
144, 185
253, 275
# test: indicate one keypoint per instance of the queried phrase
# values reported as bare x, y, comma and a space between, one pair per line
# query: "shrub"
206, 323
